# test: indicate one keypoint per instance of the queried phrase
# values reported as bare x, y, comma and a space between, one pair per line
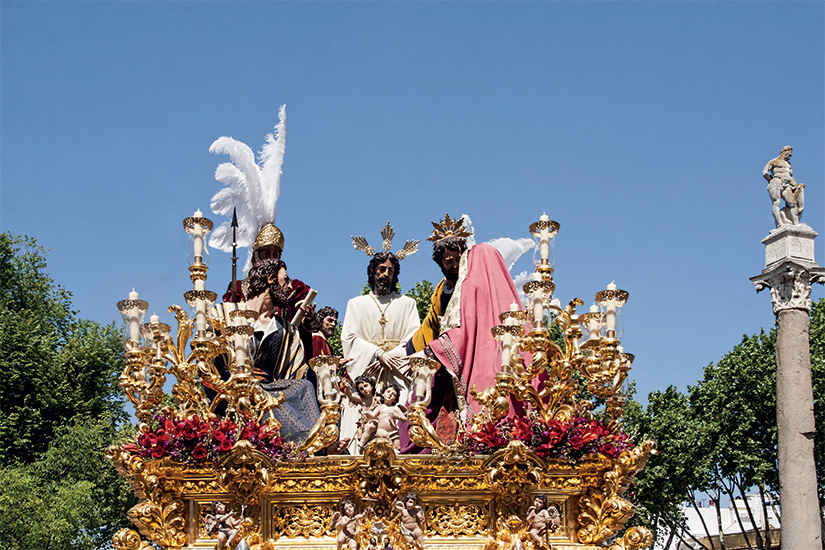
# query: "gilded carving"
305, 521
459, 520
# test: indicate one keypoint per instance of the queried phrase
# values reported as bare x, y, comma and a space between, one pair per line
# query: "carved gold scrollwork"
459, 520
634, 538
161, 519
245, 471
513, 471
325, 431
129, 539
380, 479
304, 521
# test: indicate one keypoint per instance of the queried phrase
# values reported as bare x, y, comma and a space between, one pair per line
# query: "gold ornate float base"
477, 502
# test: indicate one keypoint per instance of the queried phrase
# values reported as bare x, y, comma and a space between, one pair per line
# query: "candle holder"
612, 301
132, 311
199, 301
544, 233
421, 430
325, 431
198, 228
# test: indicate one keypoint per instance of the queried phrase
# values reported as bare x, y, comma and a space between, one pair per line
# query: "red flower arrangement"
568, 441
194, 440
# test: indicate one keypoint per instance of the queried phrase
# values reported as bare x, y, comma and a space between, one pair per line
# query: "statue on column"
783, 186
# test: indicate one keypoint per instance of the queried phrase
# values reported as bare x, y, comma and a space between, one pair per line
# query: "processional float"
538, 467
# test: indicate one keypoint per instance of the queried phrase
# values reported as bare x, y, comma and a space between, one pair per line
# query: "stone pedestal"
790, 269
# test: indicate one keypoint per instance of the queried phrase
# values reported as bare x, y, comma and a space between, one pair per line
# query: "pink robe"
469, 350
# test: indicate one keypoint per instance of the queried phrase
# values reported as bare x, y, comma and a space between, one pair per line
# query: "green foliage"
334, 341
59, 408
720, 438
422, 293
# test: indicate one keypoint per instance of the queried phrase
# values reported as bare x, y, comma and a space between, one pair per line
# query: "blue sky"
642, 127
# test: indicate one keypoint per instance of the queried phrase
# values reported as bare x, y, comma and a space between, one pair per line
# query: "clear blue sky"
642, 127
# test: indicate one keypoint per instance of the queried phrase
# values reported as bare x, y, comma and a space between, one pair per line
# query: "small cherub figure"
412, 520
364, 396
228, 524
373, 544
540, 518
348, 523
385, 417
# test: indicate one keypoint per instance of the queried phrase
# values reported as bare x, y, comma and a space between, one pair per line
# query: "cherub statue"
542, 519
373, 544
382, 420
412, 520
364, 396
348, 523
227, 523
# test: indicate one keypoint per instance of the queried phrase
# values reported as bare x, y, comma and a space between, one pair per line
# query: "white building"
734, 533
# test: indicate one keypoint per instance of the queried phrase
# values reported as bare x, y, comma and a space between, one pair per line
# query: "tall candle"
507, 342
154, 319
593, 324
544, 239
197, 232
240, 349
610, 317
134, 319
538, 307
200, 314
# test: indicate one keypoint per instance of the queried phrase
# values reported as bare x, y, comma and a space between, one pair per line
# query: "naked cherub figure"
348, 523
382, 420
364, 396
228, 524
412, 520
542, 518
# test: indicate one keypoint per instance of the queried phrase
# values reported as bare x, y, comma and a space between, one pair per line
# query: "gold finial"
387, 233
449, 228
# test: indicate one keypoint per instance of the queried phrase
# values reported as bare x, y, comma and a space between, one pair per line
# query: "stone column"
789, 271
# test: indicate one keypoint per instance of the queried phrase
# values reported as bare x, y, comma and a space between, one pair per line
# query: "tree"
422, 293
59, 408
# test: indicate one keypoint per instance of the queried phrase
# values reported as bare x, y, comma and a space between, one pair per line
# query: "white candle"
610, 317
240, 349
154, 319
134, 319
593, 324
538, 307
200, 314
197, 232
507, 342
544, 238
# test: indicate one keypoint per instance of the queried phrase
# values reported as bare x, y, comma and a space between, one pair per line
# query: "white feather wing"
271, 165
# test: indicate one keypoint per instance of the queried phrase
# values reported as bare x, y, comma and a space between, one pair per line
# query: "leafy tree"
422, 293
59, 408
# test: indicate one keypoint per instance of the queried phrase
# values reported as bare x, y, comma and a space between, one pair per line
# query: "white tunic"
360, 338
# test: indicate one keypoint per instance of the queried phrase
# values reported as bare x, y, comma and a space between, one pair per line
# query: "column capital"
790, 284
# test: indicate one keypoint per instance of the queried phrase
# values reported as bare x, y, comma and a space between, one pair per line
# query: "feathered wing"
512, 249
241, 190
250, 187
271, 165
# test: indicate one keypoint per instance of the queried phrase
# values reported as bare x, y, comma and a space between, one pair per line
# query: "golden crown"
449, 227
